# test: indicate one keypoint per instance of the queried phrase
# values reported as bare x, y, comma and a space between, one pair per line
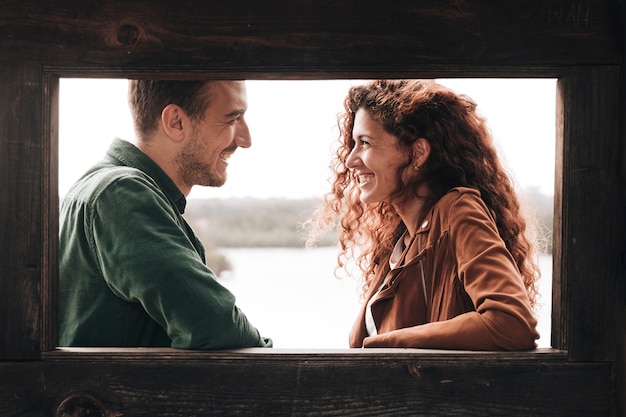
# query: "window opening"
293, 126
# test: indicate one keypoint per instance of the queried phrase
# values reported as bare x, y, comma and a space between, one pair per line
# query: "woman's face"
375, 159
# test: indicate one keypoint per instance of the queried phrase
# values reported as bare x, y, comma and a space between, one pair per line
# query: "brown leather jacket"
475, 298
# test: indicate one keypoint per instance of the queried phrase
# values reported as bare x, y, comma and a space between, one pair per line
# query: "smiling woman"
419, 192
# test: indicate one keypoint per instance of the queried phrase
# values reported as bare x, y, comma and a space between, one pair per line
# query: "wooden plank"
591, 219
124, 353
277, 37
350, 383
21, 156
559, 281
50, 214
620, 363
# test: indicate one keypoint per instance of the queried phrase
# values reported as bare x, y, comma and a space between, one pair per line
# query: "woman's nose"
353, 159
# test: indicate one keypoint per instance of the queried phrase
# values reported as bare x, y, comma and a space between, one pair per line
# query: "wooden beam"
50, 214
21, 210
273, 382
278, 38
589, 215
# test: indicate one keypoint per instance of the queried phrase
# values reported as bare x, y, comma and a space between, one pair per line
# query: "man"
132, 272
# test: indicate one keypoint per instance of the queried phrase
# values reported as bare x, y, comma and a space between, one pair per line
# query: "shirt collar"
125, 153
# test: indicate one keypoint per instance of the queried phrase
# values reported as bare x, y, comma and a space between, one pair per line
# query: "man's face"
204, 158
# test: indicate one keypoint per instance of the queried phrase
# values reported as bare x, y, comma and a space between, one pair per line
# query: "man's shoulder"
109, 178
111, 173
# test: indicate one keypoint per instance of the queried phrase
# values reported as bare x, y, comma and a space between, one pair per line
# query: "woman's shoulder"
459, 202
458, 193
456, 203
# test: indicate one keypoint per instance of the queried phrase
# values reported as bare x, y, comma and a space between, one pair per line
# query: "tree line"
255, 222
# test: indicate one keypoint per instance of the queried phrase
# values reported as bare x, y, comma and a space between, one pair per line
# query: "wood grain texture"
592, 238
50, 214
349, 383
21, 156
306, 36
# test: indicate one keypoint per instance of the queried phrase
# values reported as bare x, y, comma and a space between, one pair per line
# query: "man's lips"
225, 156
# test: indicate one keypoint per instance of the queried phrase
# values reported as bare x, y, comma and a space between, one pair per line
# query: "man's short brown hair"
148, 98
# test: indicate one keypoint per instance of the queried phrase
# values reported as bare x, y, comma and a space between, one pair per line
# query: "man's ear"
174, 121
421, 151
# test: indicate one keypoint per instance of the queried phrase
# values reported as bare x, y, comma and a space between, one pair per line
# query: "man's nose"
243, 138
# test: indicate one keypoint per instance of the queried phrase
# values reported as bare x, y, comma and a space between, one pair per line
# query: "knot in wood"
82, 405
127, 35
415, 369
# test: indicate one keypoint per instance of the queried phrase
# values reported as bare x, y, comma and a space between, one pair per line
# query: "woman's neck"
412, 213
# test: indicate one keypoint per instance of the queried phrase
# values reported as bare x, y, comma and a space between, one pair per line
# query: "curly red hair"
461, 154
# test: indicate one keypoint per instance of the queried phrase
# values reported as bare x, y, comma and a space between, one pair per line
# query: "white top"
394, 260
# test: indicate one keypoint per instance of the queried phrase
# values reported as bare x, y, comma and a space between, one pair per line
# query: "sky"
294, 126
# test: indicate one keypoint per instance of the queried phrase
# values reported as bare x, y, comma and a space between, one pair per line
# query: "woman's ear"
421, 151
174, 121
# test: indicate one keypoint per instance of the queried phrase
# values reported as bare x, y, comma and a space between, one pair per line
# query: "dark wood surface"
321, 383
287, 38
581, 43
590, 216
21, 156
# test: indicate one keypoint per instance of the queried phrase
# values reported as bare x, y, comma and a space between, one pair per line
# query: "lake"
292, 296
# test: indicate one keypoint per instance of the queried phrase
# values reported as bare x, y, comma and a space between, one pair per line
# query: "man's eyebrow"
237, 112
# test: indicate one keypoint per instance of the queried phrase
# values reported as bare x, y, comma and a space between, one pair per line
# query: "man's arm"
146, 257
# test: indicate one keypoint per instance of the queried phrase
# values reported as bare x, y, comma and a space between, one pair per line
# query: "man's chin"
214, 182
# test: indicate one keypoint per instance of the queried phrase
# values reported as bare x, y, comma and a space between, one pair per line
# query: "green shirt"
131, 270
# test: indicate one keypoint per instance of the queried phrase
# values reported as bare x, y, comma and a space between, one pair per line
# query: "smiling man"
132, 272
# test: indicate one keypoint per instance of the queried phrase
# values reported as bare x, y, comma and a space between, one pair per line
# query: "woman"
433, 222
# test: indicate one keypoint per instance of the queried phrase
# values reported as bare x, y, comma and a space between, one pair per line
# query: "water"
292, 296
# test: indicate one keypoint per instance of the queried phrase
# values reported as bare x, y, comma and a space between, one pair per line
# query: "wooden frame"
579, 43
